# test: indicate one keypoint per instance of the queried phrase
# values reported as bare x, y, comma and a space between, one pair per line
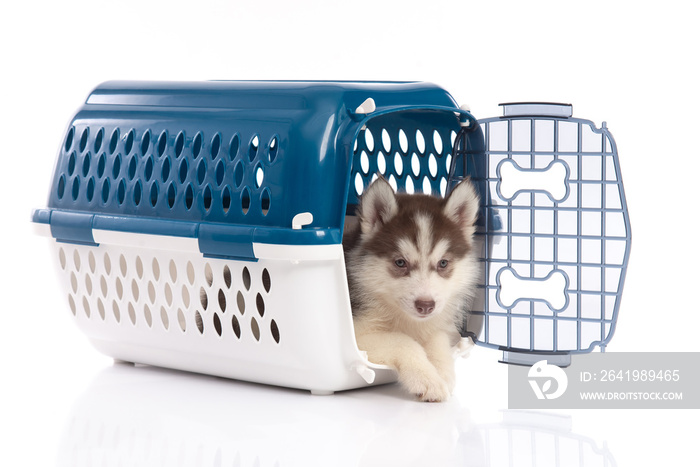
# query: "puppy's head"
415, 250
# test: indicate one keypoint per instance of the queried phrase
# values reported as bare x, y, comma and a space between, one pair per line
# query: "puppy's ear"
462, 206
377, 205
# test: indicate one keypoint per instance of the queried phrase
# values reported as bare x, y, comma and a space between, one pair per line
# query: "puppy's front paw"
427, 386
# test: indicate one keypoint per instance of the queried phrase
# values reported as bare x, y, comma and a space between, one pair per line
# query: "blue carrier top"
227, 163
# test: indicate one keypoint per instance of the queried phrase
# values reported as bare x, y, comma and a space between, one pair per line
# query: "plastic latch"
226, 241
302, 219
72, 227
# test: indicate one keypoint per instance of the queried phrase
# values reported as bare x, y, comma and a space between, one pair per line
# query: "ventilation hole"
71, 163
238, 173
259, 176
199, 322
115, 311
398, 164
132, 314
354, 148
135, 289
91, 262
173, 270
164, 318
432, 165
217, 324
69, 139
245, 200
260, 304
147, 315
154, 194
381, 163
437, 142
448, 163
171, 195
148, 169
151, 292
246, 278
84, 139
129, 145
253, 150
179, 146
113, 141
215, 147
76, 188
73, 282
101, 309
208, 274
86, 164
240, 301
265, 201
236, 326
190, 273
165, 170
120, 289
116, 166
62, 260
61, 189
220, 169
427, 187
189, 197
162, 144
266, 280
131, 172
181, 320
203, 299
168, 295
226, 199
98, 140
369, 140
420, 142
185, 296
386, 141
197, 145
76, 260
103, 286
410, 189
156, 269
137, 192
145, 142
273, 149
207, 197
364, 163
415, 164
392, 182
222, 301
255, 328
101, 163
201, 171
86, 307
443, 186
234, 146
227, 277
107, 263
275, 331
121, 192
359, 184
71, 304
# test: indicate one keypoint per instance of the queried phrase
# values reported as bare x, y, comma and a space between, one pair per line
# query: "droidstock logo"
541, 376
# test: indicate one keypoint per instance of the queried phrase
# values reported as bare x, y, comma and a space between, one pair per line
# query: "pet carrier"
198, 226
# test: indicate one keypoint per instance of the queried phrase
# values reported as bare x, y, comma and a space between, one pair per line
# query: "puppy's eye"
400, 263
443, 263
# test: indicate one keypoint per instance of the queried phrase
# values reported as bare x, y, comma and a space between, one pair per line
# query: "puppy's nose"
424, 307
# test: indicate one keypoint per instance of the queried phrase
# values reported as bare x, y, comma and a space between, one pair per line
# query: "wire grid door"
557, 236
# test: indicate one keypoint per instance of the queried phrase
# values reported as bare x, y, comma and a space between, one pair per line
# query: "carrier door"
556, 235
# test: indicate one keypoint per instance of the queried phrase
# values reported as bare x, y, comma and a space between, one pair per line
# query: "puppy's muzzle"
424, 307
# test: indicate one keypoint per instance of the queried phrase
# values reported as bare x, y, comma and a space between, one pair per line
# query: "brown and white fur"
411, 269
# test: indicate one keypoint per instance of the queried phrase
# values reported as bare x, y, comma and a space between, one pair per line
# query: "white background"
633, 65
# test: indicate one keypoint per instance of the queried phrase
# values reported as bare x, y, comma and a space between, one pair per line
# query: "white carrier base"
282, 320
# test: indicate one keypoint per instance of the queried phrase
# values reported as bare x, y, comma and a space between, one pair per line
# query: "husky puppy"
412, 269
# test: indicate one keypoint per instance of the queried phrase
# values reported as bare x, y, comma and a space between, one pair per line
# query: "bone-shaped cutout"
550, 289
552, 180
